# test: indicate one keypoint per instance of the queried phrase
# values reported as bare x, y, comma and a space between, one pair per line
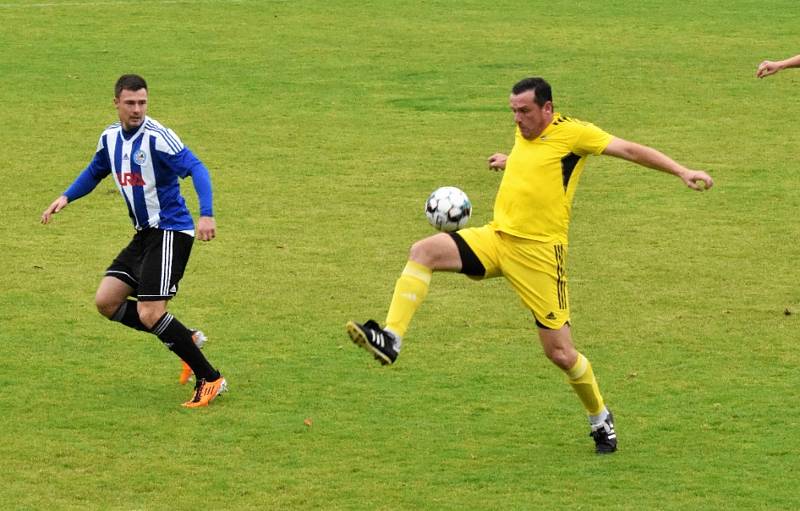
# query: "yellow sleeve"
592, 140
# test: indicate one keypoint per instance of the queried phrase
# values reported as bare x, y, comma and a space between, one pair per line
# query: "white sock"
597, 420
398, 341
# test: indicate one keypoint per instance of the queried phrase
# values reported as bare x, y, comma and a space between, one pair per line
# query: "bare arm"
769, 67
651, 158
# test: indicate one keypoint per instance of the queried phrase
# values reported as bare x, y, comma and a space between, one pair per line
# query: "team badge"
140, 157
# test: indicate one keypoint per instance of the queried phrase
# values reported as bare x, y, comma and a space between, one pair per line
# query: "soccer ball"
448, 209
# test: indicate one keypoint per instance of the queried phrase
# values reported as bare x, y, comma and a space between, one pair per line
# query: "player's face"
132, 107
531, 118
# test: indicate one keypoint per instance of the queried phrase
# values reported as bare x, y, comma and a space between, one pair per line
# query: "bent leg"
435, 253
438, 252
176, 337
112, 302
558, 347
111, 294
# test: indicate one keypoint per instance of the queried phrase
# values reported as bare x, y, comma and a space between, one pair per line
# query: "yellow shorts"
536, 270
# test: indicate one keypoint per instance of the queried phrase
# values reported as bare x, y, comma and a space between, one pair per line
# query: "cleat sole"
359, 339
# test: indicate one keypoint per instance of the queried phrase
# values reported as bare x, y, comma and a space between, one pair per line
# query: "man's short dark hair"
540, 87
129, 82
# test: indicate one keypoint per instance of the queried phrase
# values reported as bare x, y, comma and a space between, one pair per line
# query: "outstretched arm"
769, 67
85, 183
651, 158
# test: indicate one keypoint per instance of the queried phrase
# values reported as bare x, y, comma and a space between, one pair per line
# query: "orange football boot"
206, 391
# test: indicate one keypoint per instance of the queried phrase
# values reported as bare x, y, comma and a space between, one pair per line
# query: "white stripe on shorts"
166, 261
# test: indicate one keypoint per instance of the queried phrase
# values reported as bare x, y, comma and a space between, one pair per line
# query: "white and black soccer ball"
448, 208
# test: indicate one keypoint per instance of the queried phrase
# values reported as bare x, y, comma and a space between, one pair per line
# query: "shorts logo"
551, 316
140, 157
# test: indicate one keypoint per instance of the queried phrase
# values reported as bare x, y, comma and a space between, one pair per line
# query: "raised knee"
106, 307
426, 253
437, 252
418, 252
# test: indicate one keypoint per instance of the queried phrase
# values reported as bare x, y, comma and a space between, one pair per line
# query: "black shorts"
153, 263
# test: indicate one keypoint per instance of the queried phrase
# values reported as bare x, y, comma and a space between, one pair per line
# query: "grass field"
325, 126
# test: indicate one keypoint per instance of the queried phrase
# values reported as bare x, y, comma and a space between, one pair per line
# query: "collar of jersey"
130, 135
550, 126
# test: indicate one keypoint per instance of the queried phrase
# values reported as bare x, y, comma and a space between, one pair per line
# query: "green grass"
325, 126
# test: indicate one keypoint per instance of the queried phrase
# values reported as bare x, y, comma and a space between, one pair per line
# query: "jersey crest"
140, 157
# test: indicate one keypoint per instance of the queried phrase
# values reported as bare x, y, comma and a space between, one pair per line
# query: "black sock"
178, 339
128, 316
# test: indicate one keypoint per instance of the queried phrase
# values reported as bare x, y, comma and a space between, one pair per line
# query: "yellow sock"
409, 292
583, 382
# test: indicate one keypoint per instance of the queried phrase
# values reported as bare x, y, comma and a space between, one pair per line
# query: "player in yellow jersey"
526, 242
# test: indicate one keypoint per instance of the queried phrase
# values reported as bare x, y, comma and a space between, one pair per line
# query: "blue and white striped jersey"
146, 166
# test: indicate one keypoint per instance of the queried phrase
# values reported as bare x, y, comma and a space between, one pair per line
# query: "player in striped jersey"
146, 159
526, 242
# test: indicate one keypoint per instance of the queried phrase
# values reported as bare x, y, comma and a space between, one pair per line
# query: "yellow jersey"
534, 200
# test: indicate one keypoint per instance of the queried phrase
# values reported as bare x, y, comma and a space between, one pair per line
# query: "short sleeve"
592, 140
